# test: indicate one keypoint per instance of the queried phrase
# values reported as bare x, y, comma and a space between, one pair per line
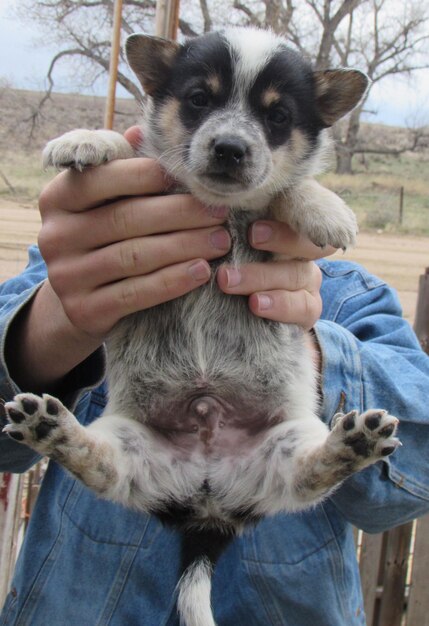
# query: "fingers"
284, 291
252, 277
126, 219
288, 307
136, 257
134, 136
278, 237
97, 312
79, 191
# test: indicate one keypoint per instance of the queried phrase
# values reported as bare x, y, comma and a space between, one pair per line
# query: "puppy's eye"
278, 116
199, 98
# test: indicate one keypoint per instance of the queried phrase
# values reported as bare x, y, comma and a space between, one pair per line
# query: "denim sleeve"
372, 359
14, 295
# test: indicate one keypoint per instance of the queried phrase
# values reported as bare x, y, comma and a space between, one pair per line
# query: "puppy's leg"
317, 213
104, 455
355, 442
305, 461
83, 148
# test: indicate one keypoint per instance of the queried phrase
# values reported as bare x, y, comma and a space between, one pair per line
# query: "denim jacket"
88, 562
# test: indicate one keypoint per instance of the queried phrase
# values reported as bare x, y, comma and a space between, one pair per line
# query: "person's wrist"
42, 345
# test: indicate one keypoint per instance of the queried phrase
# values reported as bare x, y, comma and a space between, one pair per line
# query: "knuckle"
54, 193
129, 296
50, 240
46, 199
120, 220
130, 257
168, 286
312, 308
59, 274
78, 310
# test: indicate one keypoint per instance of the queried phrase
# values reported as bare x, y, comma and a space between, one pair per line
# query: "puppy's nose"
229, 150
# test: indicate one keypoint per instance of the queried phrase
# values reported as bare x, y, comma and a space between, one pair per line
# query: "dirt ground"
397, 259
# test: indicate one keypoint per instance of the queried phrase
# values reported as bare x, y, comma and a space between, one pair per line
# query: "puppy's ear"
338, 92
151, 59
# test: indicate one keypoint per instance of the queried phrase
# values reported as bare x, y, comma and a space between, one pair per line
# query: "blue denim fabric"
87, 562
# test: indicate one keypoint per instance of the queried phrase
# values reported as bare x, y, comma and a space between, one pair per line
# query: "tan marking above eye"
213, 82
269, 97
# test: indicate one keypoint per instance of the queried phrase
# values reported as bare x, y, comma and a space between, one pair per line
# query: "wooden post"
418, 603
394, 576
10, 509
167, 18
401, 205
114, 62
370, 557
421, 323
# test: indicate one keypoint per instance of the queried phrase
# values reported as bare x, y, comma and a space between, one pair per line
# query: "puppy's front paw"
84, 148
338, 229
39, 422
366, 437
319, 214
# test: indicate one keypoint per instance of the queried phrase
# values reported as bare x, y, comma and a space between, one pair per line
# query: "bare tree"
381, 37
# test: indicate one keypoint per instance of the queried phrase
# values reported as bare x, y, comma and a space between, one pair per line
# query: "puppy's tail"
200, 551
194, 594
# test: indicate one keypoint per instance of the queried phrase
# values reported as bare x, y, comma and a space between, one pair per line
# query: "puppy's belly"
212, 426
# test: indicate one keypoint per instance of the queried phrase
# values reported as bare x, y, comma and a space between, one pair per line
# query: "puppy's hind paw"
38, 422
366, 437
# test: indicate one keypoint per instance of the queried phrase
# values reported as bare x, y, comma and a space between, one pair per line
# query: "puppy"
212, 417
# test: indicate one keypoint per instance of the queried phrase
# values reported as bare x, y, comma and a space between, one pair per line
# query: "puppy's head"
238, 116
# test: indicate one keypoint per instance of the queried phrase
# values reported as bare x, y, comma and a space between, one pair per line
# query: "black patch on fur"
199, 59
246, 516
209, 543
292, 78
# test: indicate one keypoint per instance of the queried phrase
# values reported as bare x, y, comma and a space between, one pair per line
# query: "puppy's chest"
202, 371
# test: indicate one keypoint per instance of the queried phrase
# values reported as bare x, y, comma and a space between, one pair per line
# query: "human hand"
286, 290
113, 244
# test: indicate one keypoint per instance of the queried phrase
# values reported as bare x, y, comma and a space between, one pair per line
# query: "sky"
396, 101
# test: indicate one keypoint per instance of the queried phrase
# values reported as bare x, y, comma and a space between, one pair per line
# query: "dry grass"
373, 190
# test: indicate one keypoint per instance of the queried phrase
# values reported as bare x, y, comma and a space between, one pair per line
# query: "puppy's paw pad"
369, 436
35, 420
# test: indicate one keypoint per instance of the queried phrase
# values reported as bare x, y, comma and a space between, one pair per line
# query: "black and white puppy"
212, 417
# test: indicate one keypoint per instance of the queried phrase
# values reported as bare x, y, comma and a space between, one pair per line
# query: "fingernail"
233, 277
199, 271
218, 211
220, 239
264, 302
260, 232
